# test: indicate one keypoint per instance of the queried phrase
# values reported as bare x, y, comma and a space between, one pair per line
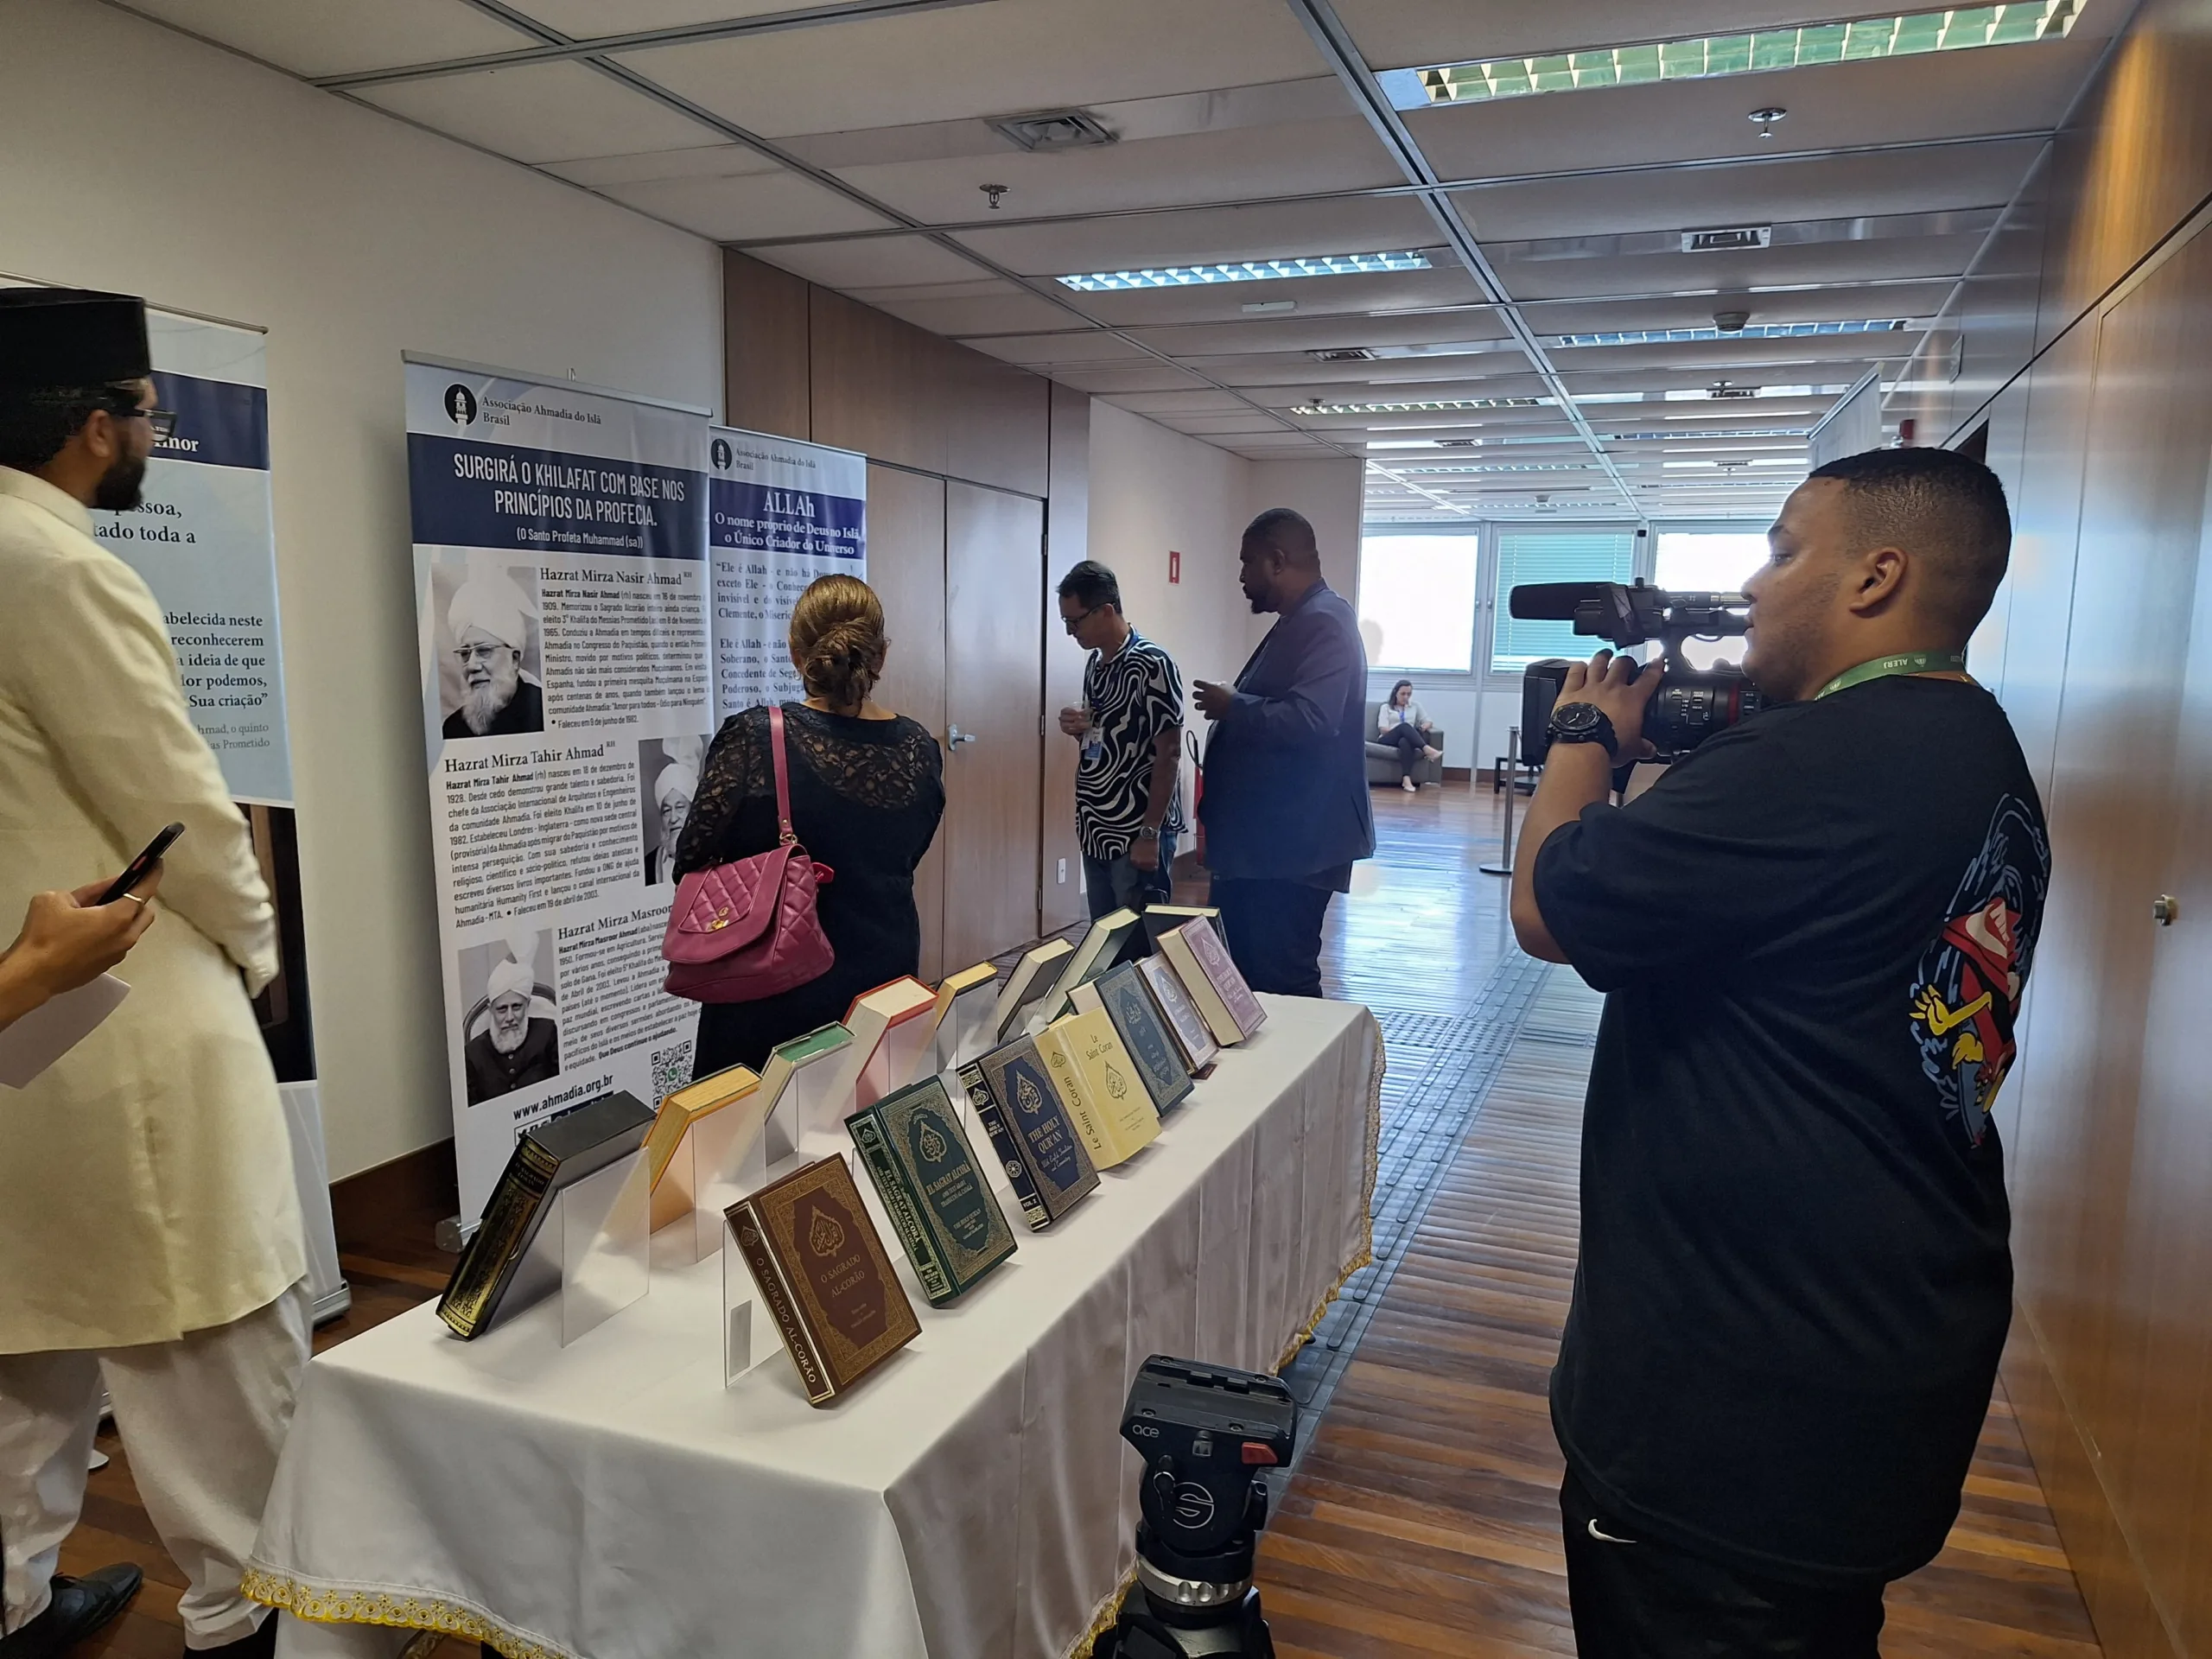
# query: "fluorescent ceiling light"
1247, 270
1763, 461
1417, 408
1734, 432
1750, 331
1512, 466
1703, 57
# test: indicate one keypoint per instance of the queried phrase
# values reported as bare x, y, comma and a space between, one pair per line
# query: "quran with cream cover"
825, 1275
1100, 950
1030, 980
1100, 1084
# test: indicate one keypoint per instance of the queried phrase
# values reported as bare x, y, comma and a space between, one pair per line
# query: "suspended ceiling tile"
1389, 377
1209, 401
991, 307
1213, 426
540, 112
1215, 235
1835, 267
706, 161
1184, 169
2005, 89
594, 19
1919, 301
726, 209
1755, 192
1006, 57
337, 37
1108, 378
876, 264
1313, 333
1045, 352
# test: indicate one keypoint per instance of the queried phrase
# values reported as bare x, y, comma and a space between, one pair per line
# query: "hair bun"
837, 640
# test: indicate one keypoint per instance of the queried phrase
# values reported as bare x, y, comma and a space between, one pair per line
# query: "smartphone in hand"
143, 865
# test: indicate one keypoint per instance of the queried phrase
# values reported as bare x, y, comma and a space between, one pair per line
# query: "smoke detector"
1730, 322
1053, 129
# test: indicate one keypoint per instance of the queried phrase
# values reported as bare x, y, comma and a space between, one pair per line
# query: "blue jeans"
1116, 884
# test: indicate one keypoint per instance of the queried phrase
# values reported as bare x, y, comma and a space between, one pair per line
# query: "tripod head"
1205, 1432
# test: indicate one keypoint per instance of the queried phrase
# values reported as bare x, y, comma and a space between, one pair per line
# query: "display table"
971, 1500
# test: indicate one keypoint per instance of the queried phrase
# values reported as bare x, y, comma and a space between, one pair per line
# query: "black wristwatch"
1585, 723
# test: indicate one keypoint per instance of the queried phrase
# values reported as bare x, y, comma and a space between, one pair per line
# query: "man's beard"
1259, 606
483, 705
120, 487
508, 1041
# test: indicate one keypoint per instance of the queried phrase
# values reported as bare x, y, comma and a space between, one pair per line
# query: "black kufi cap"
54, 337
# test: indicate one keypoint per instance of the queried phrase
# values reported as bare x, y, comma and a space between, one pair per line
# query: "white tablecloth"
971, 1500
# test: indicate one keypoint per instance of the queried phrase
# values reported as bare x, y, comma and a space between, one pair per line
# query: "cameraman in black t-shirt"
1813, 933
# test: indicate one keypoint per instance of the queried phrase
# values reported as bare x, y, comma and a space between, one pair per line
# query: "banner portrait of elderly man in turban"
489, 622
669, 768
514, 1041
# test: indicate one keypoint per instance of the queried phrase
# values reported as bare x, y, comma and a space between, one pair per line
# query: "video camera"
1206, 1432
1691, 703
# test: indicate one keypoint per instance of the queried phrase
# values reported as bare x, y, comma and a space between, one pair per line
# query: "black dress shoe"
79, 1607
262, 1644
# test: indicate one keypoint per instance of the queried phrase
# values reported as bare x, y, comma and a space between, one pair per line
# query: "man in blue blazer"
1285, 807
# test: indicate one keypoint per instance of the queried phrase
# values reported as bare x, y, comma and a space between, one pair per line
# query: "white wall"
139, 159
1329, 494
1152, 489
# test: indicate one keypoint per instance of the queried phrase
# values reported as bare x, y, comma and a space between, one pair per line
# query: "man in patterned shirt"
1130, 725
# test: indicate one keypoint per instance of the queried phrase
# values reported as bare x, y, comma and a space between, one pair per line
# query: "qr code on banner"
671, 1070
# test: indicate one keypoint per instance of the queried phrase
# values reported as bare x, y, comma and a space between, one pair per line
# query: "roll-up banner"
202, 539
780, 514
561, 588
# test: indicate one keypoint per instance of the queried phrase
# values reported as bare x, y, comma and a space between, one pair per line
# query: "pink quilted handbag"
746, 930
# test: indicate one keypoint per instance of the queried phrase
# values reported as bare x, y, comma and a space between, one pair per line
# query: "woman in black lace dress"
867, 789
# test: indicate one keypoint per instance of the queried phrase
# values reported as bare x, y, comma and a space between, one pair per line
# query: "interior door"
906, 566
993, 656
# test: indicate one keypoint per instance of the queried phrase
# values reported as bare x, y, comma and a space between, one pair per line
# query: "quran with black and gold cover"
825, 1275
548, 1158
1036, 1141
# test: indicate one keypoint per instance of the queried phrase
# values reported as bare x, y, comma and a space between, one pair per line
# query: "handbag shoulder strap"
785, 833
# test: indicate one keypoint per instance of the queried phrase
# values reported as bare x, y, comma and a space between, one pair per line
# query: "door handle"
955, 737
2164, 909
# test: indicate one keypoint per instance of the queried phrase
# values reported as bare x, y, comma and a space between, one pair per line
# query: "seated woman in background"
867, 789
1402, 726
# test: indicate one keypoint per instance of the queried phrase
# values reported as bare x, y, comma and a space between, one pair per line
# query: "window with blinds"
1525, 556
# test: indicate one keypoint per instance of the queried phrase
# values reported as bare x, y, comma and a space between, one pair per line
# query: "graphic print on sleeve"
1967, 991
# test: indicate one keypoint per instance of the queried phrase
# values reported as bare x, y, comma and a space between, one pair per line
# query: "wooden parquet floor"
1423, 1518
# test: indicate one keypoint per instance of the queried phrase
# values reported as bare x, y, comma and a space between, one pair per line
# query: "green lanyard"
1905, 662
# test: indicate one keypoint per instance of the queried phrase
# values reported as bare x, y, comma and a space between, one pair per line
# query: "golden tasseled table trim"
393, 1610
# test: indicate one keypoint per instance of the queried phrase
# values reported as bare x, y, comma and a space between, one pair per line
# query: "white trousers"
202, 1420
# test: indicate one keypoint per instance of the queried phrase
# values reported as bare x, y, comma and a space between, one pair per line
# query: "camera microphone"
1549, 601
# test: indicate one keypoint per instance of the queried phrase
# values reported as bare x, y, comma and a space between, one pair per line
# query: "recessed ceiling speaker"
1053, 129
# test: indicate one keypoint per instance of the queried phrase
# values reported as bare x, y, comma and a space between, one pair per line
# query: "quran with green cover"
825, 1275
1129, 1005
940, 1201
550, 1158
1035, 1140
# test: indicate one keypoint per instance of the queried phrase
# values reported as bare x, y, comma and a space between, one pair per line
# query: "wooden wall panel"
765, 378
2135, 162
906, 566
994, 603
871, 376
1000, 432
1067, 543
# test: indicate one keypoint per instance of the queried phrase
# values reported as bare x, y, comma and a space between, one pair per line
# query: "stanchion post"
1504, 865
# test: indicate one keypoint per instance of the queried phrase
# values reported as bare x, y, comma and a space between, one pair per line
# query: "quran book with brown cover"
825, 1276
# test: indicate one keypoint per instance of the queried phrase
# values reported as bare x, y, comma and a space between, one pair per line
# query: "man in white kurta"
149, 1230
